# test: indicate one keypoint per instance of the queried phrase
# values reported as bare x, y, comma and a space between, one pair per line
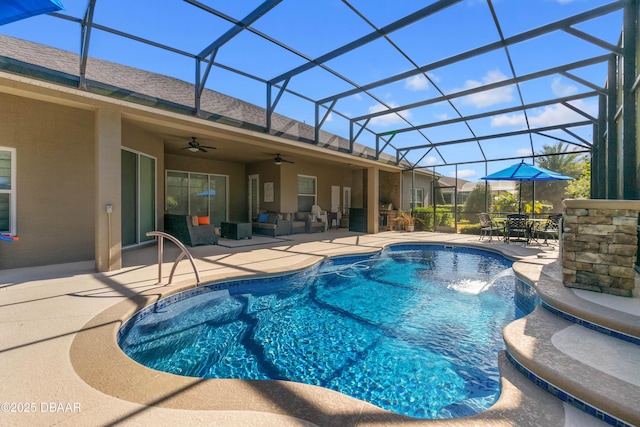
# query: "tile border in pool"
593, 326
566, 397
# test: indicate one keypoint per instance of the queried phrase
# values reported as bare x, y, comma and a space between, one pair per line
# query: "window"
7, 191
306, 192
199, 194
418, 198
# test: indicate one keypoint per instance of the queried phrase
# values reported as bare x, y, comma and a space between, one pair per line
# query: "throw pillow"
273, 218
203, 220
194, 220
263, 217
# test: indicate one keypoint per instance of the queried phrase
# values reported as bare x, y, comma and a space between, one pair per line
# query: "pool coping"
99, 361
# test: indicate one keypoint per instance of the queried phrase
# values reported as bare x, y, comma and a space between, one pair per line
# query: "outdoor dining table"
532, 223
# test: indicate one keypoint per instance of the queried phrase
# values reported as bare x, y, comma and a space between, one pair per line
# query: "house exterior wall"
326, 174
55, 181
420, 180
268, 171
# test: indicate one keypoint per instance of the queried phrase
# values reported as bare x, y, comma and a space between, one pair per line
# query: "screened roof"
445, 83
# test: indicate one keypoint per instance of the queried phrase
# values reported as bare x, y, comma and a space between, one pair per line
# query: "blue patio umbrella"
15, 10
206, 193
525, 172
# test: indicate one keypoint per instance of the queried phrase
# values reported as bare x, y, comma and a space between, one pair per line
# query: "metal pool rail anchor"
185, 252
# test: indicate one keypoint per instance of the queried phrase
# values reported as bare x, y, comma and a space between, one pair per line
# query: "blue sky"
314, 28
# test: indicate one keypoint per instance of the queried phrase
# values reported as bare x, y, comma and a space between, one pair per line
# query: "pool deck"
60, 360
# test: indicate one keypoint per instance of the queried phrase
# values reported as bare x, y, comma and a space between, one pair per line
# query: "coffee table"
235, 230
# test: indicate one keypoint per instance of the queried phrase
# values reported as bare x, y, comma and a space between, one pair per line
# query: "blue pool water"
415, 329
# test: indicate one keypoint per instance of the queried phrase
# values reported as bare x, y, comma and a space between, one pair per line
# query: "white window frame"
13, 229
315, 187
417, 201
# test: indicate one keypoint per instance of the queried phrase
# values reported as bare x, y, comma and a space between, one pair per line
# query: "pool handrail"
185, 252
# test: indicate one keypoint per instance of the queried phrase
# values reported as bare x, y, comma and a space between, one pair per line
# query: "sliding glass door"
197, 194
138, 173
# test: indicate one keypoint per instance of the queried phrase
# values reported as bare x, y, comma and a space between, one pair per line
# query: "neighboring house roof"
452, 182
496, 186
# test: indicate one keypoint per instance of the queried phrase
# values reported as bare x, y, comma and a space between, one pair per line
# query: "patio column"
108, 233
373, 200
600, 245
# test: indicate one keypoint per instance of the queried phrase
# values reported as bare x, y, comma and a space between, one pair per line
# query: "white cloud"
508, 120
463, 173
430, 161
416, 83
388, 119
556, 114
488, 97
560, 89
547, 116
523, 152
442, 117
565, 1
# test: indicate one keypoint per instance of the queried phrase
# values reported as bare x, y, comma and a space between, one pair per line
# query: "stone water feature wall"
599, 245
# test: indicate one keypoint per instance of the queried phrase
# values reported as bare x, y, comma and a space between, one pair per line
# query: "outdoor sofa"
190, 230
272, 224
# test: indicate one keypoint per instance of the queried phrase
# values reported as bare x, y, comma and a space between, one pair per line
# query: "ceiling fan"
195, 146
279, 160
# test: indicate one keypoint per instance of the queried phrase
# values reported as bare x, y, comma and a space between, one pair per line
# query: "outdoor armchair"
517, 228
550, 228
488, 227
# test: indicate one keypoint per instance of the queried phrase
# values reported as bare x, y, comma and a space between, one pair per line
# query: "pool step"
588, 369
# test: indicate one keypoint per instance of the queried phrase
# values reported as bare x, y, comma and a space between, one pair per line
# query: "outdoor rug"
254, 241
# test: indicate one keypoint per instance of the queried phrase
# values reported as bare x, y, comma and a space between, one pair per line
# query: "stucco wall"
55, 182
420, 180
326, 175
268, 171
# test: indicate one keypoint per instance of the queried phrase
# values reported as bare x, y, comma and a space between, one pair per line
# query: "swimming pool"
415, 329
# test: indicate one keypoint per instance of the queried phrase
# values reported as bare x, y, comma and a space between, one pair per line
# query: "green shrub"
470, 229
425, 217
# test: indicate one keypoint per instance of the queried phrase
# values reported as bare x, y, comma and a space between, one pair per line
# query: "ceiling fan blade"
208, 146
200, 147
279, 160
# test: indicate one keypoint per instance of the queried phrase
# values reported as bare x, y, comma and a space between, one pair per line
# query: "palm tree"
567, 164
557, 158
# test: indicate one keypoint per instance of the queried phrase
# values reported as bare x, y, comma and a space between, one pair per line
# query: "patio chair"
487, 226
551, 228
517, 228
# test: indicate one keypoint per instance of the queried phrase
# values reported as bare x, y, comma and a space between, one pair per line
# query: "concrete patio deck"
61, 364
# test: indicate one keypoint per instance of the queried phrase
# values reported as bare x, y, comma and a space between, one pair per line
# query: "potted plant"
407, 220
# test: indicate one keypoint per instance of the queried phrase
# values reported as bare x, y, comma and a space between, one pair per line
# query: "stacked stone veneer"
599, 245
